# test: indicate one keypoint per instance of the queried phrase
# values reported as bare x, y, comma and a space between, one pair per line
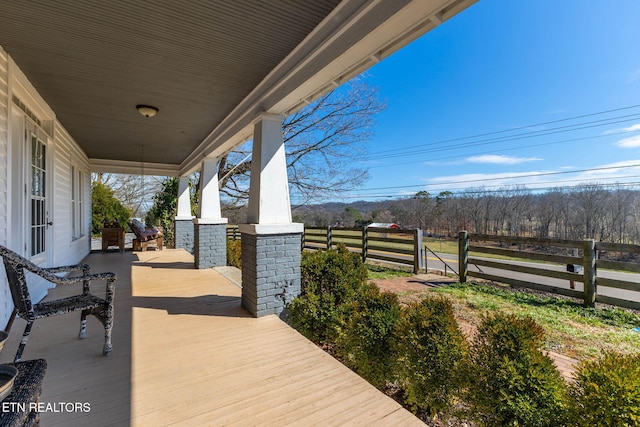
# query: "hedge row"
500, 378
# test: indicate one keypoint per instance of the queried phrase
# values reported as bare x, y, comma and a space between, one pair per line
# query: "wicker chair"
102, 309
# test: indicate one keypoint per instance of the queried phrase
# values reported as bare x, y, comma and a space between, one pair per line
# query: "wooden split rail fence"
233, 232
400, 246
382, 244
405, 247
583, 269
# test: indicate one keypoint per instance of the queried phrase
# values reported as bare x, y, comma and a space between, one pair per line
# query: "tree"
423, 200
165, 206
133, 191
323, 143
590, 209
352, 217
105, 207
442, 207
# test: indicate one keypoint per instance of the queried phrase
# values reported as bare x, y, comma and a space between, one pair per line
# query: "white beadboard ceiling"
198, 62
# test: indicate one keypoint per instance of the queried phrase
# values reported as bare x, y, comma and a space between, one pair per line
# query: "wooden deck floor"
186, 353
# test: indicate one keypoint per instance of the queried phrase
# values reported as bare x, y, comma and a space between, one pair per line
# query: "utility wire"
493, 151
489, 191
510, 130
532, 134
534, 185
527, 175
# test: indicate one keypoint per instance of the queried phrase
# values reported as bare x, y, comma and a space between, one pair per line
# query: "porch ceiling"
210, 66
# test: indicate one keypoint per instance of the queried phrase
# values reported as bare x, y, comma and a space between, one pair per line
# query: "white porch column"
184, 201
210, 229
270, 242
183, 222
209, 191
269, 192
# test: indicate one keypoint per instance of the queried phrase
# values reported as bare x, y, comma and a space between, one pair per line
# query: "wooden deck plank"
186, 353
229, 408
228, 390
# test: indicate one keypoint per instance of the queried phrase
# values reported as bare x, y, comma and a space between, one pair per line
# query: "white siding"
67, 152
6, 306
63, 151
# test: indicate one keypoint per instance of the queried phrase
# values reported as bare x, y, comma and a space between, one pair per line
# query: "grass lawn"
441, 245
571, 329
378, 271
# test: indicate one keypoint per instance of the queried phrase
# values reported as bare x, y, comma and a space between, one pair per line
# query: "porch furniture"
87, 303
25, 396
112, 235
145, 236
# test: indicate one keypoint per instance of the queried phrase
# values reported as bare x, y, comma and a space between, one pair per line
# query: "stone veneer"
210, 245
270, 271
184, 234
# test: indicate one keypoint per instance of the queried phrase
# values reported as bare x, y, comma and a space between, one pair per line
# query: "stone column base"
270, 267
183, 233
210, 243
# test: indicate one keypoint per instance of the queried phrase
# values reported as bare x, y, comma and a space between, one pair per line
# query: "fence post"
417, 244
364, 243
426, 260
589, 271
463, 255
329, 238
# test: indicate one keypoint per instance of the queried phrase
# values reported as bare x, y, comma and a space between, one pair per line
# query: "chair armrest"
49, 274
77, 279
86, 279
69, 268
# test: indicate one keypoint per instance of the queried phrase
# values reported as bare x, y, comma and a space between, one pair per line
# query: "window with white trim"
80, 199
77, 202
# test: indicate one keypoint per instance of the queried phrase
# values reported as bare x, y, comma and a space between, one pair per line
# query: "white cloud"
632, 128
631, 142
621, 172
611, 171
503, 160
473, 180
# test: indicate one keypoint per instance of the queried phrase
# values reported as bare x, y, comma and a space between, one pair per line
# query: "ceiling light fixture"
147, 110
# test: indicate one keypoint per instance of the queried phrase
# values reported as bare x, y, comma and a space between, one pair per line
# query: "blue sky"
508, 69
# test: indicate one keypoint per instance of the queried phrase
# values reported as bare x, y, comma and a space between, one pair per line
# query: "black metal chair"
102, 309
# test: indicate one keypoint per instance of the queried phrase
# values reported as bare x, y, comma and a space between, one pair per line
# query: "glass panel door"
38, 196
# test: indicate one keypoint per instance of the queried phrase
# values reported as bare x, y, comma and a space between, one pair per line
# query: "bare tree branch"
323, 143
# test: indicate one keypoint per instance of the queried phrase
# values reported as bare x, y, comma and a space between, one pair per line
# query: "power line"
494, 191
535, 185
526, 135
495, 151
527, 175
512, 129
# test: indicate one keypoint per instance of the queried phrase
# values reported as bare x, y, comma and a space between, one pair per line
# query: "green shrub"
432, 355
331, 281
234, 253
607, 392
337, 271
366, 342
513, 382
315, 316
105, 207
